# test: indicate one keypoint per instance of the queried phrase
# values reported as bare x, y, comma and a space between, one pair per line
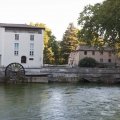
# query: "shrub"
87, 62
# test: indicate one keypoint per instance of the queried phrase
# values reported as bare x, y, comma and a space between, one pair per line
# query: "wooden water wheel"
15, 72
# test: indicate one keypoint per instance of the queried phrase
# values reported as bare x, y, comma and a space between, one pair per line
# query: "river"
59, 102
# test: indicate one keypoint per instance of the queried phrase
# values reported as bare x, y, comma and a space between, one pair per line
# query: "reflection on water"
59, 102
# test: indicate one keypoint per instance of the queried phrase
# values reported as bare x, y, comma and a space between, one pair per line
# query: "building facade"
106, 55
21, 43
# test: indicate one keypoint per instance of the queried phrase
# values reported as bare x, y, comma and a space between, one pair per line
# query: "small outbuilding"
105, 55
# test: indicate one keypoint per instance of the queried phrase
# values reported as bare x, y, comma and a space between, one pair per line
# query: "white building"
21, 43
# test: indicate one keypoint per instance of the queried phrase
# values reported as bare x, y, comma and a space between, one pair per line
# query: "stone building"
106, 55
21, 43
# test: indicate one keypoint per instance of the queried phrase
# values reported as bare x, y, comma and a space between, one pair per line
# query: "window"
93, 52
109, 60
101, 60
31, 46
32, 37
101, 52
31, 58
31, 53
16, 49
23, 59
85, 52
40, 32
31, 49
16, 36
16, 53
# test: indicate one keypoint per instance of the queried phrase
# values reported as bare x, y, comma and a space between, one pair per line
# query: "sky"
56, 14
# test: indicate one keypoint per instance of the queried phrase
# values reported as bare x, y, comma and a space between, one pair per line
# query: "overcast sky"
56, 14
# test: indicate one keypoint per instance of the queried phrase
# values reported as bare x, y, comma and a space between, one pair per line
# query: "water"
59, 102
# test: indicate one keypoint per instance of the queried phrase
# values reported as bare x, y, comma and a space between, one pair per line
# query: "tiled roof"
19, 26
91, 48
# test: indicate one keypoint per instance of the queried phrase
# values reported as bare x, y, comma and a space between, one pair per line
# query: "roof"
91, 48
7, 25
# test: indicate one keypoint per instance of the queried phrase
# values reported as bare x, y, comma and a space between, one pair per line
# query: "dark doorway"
23, 59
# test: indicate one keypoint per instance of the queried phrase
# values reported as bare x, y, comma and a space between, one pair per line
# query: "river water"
59, 102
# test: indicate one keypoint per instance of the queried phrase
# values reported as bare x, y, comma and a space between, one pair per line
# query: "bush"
87, 62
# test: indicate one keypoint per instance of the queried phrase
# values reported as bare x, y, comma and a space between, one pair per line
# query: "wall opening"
23, 59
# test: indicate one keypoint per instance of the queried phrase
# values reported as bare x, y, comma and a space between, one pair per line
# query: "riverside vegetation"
99, 26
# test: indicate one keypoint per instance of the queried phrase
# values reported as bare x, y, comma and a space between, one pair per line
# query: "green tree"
55, 48
47, 32
48, 56
70, 42
101, 21
51, 46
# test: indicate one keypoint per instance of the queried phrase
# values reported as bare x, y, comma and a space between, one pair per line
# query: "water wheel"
15, 72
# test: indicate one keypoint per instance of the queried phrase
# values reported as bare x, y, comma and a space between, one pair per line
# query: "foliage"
101, 21
51, 46
69, 43
87, 62
48, 56
55, 47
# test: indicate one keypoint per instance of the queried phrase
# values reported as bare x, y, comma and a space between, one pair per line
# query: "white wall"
24, 49
1, 39
0, 60
2, 31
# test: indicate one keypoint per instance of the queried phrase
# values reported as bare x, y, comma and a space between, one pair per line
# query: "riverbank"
67, 74
98, 75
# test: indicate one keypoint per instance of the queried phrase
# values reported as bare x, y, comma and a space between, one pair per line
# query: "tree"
69, 43
48, 56
101, 21
51, 46
55, 49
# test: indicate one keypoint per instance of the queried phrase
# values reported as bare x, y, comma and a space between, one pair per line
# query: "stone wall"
2, 74
67, 74
104, 75
37, 79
